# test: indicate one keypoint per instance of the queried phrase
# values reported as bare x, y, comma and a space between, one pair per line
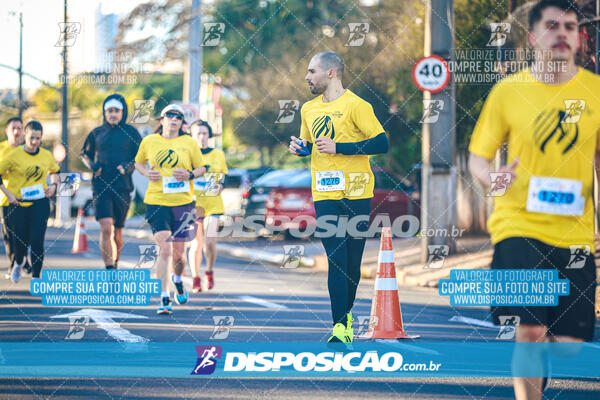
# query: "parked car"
237, 181
289, 195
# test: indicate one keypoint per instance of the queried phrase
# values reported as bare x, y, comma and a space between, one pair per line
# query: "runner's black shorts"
575, 314
179, 220
112, 204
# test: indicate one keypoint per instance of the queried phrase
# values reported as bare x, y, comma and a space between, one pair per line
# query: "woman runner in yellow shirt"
170, 158
209, 205
27, 167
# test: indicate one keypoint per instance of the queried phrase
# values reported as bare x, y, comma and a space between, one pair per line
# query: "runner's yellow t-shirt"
215, 159
554, 131
26, 172
4, 147
346, 119
165, 155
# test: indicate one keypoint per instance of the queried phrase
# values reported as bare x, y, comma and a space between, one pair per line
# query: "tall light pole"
21, 65
191, 87
65, 133
438, 211
20, 68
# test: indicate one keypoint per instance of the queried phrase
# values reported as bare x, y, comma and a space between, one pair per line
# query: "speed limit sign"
431, 74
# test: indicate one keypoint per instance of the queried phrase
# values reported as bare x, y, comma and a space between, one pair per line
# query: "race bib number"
172, 185
557, 196
200, 184
34, 192
330, 181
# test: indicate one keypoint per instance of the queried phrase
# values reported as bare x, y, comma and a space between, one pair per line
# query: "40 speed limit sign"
431, 73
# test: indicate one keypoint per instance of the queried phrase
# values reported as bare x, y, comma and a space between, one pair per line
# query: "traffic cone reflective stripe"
80, 244
386, 314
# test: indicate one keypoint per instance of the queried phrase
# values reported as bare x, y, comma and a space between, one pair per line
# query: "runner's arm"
479, 167
12, 199
88, 152
149, 173
134, 145
376, 145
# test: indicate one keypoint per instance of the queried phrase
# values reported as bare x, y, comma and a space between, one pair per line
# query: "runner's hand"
181, 174
294, 146
511, 170
153, 175
12, 199
98, 172
50, 190
325, 145
121, 169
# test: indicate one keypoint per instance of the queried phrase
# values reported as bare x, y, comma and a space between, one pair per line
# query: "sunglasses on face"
174, 115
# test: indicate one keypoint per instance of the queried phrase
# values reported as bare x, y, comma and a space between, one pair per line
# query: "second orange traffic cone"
386, 315
80, 244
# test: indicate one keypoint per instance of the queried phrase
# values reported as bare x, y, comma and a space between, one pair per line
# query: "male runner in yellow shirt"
340, 131
550, 117
14, 138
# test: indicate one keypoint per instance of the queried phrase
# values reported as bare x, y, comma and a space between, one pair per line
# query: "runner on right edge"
339, 131
549, 115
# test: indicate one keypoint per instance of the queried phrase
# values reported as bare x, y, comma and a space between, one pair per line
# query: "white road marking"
261, 302
473, 321
104, 320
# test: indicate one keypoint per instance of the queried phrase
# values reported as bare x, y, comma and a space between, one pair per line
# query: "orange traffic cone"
386, 315
80, 244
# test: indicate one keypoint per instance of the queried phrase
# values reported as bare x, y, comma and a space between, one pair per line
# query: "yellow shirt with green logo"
346, 119
165, 155
211, 204
554, 131
4, 146
24, 170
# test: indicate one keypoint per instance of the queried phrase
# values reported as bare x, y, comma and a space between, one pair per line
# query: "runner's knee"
531, 333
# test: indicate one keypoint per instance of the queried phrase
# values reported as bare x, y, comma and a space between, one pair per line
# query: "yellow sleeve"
365, 120
5, 163
141, 156
304, 133
196, 157
491, 129
222, 163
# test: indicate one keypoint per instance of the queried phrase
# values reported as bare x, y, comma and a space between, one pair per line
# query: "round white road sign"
431, 73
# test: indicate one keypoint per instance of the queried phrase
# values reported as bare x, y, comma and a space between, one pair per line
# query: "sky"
41, 33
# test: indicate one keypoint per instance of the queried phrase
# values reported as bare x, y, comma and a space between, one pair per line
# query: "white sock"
176, 278
165, 293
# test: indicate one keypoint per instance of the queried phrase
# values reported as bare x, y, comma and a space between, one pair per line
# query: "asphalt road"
267, 304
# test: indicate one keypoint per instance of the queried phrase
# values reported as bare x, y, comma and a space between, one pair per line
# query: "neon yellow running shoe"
349, 330
339, 334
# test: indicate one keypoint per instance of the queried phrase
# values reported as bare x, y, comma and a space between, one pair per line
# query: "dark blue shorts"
179, 220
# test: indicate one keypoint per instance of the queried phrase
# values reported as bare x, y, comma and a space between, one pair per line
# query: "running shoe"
15, 275
181, 295
165, 306
197, 285
27, 268
349, 330
339, 334
210, 279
